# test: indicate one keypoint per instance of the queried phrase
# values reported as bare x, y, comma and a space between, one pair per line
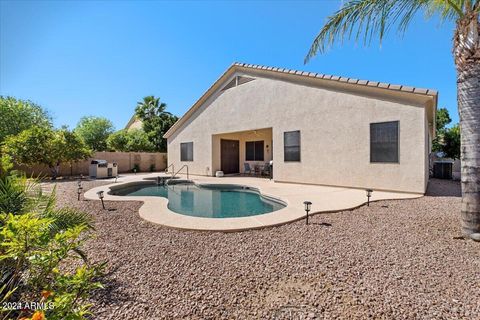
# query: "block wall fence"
125, 161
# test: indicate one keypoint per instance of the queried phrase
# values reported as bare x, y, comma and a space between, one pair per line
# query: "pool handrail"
173, 168
184, 166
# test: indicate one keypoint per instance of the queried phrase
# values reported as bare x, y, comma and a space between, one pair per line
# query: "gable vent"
237, 81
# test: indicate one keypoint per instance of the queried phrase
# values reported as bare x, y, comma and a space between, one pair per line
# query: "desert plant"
19, 195
36, 256
36, 239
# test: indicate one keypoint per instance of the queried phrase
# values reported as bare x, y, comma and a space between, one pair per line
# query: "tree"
441, 122
135, 140
44, 146
156, 120
371, 18
94, 131
18, 115
451, 142
138, 141
117, 141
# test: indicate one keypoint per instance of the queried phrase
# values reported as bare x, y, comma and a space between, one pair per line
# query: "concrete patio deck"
323, 198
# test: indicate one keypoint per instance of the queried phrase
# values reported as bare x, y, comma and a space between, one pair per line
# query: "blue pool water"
213, 201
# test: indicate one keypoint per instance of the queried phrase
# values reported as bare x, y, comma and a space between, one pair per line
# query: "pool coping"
324, 199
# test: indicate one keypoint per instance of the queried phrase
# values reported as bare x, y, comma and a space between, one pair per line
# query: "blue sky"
100, 58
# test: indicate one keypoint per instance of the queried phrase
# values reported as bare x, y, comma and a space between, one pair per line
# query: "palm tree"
156, 120
365, 19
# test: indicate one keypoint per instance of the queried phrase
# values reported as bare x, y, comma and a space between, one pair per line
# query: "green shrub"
136, 168
37, 242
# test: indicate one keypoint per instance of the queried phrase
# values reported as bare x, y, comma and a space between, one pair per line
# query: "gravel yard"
393, 260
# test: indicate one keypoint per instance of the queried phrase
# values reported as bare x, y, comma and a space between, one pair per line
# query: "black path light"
135, 171
79, 192
100, 196
116, 177
79, 189
369, 194
308, 206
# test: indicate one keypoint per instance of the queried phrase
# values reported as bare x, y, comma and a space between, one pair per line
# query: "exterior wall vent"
237, 81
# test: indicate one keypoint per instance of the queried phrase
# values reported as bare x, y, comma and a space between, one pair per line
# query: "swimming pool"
207, 201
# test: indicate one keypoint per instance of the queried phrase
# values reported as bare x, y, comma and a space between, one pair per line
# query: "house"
134, 123
317, 129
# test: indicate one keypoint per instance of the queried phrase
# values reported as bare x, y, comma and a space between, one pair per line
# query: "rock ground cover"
401, 259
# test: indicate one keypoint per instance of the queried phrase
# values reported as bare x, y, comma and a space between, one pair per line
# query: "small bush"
36, 240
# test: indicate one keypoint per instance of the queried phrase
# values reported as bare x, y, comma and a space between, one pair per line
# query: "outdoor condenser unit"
102, 169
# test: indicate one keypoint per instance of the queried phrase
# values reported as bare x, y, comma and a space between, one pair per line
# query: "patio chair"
266, 169
247, 169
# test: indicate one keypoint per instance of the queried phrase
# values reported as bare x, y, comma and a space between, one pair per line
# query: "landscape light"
100, 196
79, 191
369, 194
308, 206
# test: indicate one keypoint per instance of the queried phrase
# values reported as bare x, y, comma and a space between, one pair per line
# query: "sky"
100, 58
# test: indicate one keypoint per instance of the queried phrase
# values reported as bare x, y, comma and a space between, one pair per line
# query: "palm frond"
19, 194
366, 19
13, 197
66, 218
476, 6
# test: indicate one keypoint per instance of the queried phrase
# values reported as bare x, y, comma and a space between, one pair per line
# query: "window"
254, 151
186, 151
291, 146
384, 142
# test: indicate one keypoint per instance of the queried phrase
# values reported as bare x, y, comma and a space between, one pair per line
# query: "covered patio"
246, 152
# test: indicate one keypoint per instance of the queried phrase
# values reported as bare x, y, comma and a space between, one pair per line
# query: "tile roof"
395, 87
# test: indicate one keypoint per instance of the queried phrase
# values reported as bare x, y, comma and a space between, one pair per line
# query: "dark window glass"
254, 151
384, 142
291, 146
186, 151
258, 150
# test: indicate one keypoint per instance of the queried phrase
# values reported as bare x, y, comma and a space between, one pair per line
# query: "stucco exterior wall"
135, 124
335, 134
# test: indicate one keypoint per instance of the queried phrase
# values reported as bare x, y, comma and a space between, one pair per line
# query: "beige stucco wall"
135, 124
335, 131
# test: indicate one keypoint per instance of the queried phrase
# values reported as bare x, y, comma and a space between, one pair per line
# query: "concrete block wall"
124, 160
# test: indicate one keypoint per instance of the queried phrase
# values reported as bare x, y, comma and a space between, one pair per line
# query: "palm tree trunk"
467, 60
